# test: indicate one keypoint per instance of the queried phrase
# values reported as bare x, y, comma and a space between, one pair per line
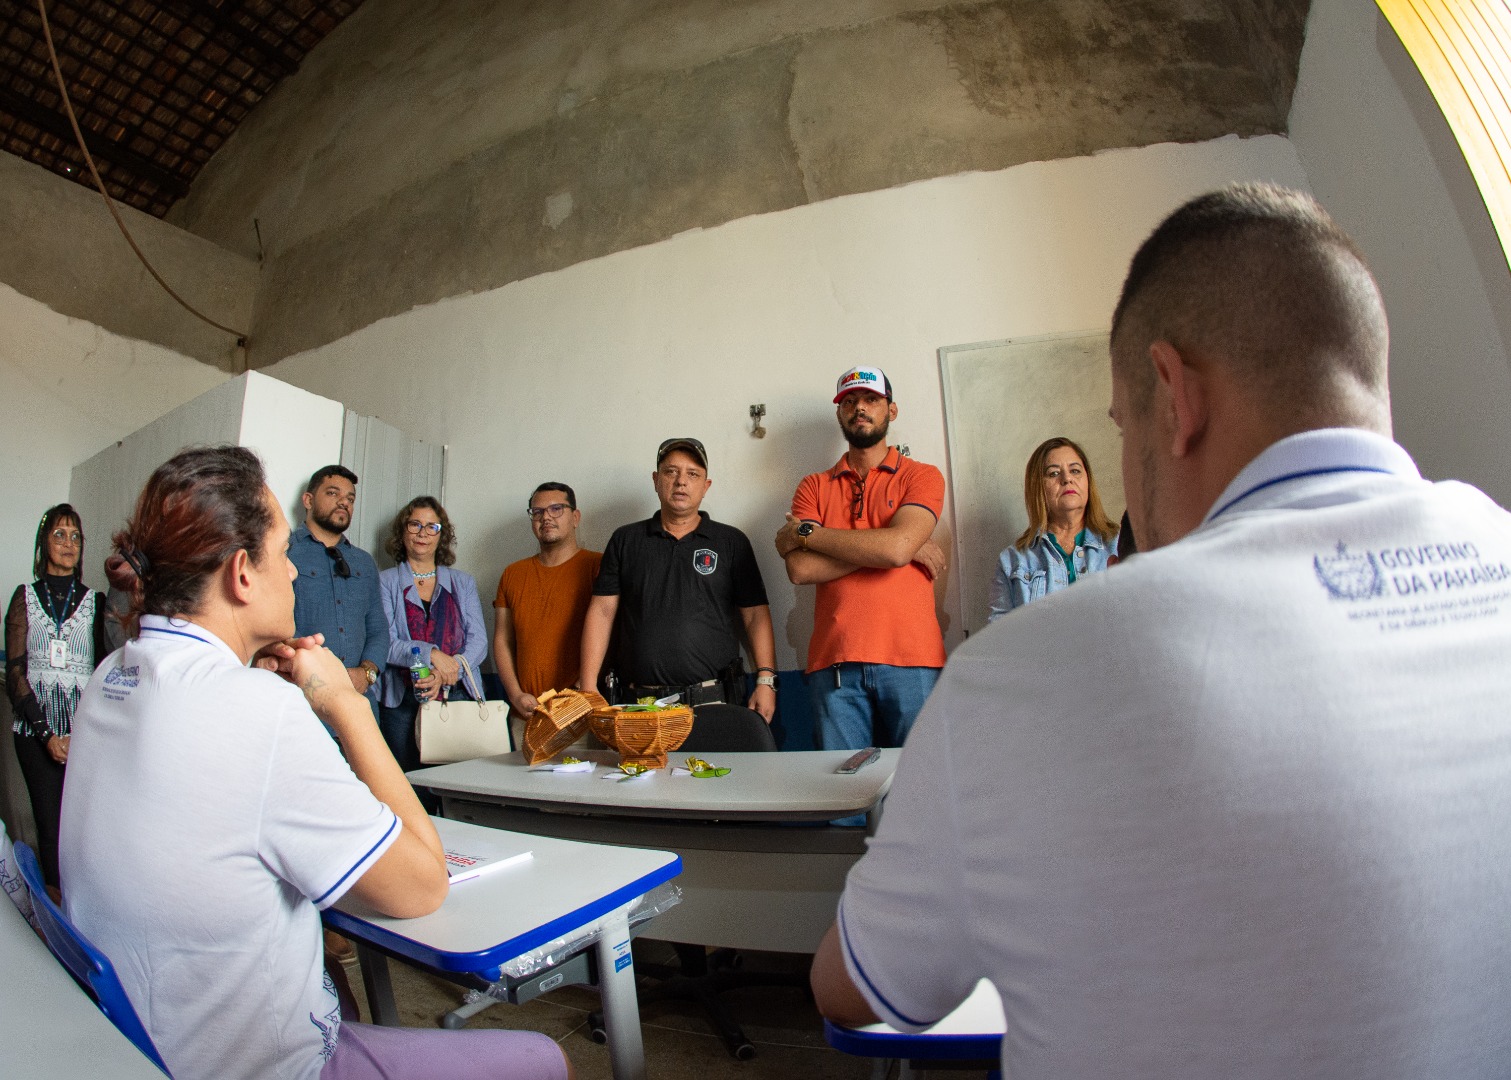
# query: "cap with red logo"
863, 378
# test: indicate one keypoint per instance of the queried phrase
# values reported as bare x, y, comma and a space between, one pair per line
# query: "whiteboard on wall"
1001, 400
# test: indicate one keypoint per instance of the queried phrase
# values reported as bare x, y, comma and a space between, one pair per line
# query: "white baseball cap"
873, 379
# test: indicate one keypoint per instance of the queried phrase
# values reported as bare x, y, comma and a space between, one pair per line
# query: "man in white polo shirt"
1242, 806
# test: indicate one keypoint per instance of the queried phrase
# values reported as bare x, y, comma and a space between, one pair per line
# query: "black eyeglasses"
555, 510
859, 503
342, 570
417, 527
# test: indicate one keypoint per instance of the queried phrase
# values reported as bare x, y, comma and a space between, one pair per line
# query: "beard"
866, 440
328, 522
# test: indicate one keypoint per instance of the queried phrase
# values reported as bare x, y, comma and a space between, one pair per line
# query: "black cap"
692, 446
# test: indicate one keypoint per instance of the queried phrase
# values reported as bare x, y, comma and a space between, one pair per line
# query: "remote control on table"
858, 760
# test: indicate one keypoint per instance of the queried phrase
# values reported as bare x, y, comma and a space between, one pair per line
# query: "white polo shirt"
1239, 807
207, 816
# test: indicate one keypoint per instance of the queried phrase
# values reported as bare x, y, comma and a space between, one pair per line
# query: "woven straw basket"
558, 721
642, 737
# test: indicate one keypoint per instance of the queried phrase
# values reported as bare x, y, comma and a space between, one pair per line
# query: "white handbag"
450, 731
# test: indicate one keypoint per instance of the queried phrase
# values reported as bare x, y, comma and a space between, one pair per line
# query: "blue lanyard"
1293, 476
44, 594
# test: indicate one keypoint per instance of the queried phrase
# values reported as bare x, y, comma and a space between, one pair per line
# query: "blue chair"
970, 1037
90, 968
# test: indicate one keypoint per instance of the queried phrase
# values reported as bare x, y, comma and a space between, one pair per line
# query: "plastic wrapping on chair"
660, 899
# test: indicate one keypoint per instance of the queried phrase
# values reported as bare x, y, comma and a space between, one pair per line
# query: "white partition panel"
392, 468
295, 432
104, 488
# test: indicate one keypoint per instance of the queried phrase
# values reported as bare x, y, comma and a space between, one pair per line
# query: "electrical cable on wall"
57, 70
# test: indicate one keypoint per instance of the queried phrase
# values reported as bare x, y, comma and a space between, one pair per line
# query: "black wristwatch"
805, 530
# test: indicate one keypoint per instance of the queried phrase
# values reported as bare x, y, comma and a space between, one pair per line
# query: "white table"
490, 920
48, 1026
761, 868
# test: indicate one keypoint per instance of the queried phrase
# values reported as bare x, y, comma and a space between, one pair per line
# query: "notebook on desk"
483, 855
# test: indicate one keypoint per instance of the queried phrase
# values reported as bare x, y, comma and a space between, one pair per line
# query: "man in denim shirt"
336, 593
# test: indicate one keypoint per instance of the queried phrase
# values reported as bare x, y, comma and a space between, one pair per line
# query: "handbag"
450, 731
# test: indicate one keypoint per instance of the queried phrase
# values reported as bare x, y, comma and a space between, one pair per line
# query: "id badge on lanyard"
57, 653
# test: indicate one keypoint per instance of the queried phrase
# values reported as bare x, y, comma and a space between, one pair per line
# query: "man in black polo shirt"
677, 588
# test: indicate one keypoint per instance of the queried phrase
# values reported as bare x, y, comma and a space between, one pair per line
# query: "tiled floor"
780, 1021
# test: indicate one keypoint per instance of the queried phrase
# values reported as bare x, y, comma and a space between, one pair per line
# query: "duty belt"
703, 693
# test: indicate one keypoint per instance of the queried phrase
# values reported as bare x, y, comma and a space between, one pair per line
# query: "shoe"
338, 948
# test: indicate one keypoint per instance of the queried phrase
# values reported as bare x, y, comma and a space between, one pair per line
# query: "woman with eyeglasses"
54, 638
429, 606
1069, 535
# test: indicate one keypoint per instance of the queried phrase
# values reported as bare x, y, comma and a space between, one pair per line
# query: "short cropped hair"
329, 470
552, 485
1263, 278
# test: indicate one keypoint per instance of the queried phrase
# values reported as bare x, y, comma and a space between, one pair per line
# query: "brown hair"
49, 522
445, 551
1096, 519
197, 510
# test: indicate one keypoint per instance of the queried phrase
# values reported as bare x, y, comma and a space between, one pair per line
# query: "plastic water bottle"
419, 669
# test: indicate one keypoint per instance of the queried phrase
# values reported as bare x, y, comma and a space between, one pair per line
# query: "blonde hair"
1095, 519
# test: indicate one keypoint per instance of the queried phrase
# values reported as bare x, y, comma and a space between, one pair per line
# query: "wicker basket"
642, 736
559, 719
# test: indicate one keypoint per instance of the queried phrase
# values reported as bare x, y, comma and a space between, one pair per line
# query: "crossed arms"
833, 553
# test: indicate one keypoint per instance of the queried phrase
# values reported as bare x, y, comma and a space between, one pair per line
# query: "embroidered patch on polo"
705, 561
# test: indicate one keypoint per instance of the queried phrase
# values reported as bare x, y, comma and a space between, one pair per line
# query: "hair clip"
138, 561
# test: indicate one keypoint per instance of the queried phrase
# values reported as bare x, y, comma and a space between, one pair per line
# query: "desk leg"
616, 989
379, 989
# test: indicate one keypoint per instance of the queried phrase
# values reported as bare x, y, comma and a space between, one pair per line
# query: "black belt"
703, 693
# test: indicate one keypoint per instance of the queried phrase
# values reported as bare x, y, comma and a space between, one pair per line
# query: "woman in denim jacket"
430, 606
1068, 534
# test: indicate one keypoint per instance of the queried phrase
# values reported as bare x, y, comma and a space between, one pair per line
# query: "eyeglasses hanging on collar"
858, 504
342, 569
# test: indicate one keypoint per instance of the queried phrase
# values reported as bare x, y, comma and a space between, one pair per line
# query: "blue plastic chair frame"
90, 968
899, 1044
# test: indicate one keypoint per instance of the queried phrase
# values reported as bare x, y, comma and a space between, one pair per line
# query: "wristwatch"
766, 679
805, 530
371, 670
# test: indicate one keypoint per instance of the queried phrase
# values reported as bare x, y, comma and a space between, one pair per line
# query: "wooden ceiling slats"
158, 85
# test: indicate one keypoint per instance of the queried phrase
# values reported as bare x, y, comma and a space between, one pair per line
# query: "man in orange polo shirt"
861, 533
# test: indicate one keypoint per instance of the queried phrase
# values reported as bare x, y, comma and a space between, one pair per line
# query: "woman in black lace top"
54, 637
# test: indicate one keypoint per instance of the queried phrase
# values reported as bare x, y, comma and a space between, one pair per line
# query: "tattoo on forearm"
311, 684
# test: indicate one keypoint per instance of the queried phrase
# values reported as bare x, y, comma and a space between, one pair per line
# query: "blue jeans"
856, 705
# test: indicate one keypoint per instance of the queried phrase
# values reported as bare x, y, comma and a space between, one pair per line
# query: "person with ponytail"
54, 638
210, 818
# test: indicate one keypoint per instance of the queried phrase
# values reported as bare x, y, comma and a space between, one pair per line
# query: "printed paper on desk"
487, 854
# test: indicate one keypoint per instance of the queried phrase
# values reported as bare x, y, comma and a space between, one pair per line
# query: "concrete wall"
71, 389
62, 248
577, 375
432, 149
1381, 157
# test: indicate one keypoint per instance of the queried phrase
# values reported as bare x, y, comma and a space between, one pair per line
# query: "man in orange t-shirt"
541, 601
860, 532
